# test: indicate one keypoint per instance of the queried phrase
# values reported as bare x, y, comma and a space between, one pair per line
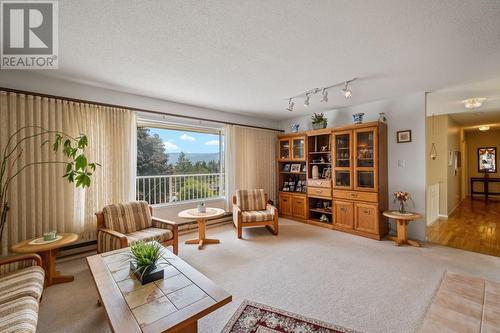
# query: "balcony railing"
176, 188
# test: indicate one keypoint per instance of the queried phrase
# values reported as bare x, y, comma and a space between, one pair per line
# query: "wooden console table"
486, 191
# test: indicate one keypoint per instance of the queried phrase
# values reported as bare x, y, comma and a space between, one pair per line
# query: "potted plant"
78, 169
144, 257
319, 121
402, 198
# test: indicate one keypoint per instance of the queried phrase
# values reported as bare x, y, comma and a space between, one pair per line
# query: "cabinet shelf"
319, 221
318, 210
320, 152
293, 173
320, 163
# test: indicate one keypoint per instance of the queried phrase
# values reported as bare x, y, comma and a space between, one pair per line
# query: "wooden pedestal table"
202, 219
48, 252
402, 221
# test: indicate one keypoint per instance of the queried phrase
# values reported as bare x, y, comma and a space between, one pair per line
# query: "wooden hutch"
336, 178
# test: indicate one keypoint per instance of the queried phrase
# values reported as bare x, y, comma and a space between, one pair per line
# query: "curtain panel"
250, 160
40, 199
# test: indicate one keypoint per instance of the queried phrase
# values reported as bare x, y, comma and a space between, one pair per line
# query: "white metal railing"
177, 188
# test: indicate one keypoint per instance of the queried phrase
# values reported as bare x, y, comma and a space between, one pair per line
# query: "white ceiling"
249, 56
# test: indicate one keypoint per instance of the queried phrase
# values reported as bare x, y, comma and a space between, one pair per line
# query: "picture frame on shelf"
295, 167
327, 173
403, 136
286, 168
304, 167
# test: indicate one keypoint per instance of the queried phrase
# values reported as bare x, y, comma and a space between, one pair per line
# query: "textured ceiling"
249, 56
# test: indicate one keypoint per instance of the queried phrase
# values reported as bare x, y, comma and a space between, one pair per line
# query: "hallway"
473, 226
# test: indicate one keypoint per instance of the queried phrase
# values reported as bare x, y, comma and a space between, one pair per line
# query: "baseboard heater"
91, 246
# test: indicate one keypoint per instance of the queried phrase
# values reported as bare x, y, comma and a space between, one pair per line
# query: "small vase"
402, 209
358, 118
381, 117
202, 208
294, 128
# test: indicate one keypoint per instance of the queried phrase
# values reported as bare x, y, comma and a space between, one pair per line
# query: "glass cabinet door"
284, 149
298, 151
342, 160
365, 142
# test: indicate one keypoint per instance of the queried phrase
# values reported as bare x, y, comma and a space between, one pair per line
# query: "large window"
177, 164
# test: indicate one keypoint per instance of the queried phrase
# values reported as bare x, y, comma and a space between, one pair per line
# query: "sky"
187, 142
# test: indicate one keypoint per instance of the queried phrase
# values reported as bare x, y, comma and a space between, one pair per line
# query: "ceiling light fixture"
307, 100
473, 103
346, 91
484, 128
324, 96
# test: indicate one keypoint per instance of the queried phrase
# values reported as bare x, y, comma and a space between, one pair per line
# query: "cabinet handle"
366, 211
354, 195
285, 200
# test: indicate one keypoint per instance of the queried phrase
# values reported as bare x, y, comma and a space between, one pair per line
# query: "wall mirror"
487, 159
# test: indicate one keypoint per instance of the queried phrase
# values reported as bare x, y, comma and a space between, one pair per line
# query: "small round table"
48, 252
402, 221
202, 219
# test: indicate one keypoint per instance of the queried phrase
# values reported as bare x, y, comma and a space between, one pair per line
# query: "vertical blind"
40, 199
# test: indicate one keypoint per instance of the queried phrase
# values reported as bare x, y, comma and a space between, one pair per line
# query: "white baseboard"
443, 216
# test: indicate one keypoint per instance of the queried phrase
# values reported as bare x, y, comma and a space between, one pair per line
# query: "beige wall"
476, 139
445, 134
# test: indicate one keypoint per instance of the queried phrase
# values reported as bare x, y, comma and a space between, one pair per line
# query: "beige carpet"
350, 281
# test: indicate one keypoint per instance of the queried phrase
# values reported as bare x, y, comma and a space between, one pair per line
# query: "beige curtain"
40, 199
250, 160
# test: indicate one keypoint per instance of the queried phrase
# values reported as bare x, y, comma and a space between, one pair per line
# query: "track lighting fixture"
307, 100
346, 91
324, 96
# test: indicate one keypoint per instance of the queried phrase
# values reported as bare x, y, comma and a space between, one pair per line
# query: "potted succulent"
319, 121
144, 261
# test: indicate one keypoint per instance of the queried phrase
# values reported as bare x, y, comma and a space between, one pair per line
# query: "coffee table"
48, 252
172, 304
202, 219
402, 221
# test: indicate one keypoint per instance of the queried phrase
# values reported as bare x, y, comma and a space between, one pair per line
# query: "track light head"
307, 100
290, 105
346, 91
324, 96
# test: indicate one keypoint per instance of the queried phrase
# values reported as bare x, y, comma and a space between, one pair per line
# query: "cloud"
185, 137
169, 145
212, 143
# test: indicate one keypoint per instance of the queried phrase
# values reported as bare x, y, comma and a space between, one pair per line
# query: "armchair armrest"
108, 240
271, 207
159, 221
15, 262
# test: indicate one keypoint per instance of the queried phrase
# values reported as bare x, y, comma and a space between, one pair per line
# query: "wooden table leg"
202, 240
52, 276
402, 236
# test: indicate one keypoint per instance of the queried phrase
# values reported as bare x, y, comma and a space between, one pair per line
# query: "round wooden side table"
402, 221
48, 252
202, 219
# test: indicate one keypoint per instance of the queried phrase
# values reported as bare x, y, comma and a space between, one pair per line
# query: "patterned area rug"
254, 317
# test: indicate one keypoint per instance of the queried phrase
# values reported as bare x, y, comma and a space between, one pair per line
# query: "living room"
230, 166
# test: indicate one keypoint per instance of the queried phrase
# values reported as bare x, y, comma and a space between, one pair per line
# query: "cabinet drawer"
344, 216
285, 204
356, 195
319, 183
319, 192
299, 207
366, 218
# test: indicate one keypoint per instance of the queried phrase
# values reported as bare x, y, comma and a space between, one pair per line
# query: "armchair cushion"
23, 282
19, 315
149, 234
128, 217
251, 200
258, 215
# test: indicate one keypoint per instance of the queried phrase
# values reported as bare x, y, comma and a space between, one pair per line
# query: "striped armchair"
250, 209
119, 225
21, 287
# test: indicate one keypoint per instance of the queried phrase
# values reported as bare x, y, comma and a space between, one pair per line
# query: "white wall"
407, 112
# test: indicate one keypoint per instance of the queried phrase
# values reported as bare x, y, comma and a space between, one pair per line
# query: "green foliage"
318, 118
194, 188
145, 254
152, 159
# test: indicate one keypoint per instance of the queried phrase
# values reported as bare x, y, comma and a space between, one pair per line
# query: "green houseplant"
319, 121
78, 169
144, 261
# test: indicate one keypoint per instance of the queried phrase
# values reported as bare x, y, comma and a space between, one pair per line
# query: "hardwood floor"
473, 226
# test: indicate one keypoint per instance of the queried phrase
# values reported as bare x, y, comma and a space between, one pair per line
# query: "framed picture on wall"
487, 159
403, 136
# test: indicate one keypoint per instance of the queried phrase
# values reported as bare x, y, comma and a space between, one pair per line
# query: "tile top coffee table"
172, 304
48, 251
202, 219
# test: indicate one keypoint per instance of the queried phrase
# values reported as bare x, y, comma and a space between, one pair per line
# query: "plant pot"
358, 118
152, 274
319, 125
